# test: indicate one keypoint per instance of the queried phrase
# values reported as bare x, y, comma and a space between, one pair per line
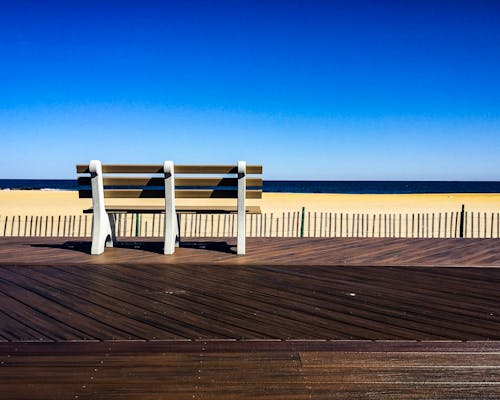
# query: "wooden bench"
169, 182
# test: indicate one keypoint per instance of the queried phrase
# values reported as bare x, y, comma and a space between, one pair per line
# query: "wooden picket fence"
287, 224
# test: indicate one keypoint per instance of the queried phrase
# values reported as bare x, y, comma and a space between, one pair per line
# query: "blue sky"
356, 90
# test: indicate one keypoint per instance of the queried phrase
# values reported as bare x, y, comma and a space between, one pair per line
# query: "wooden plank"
136, 181
406, 348
124, 193
179, 169
215, 169
182, 194
133, 208
361, 360
250, 373
119, 168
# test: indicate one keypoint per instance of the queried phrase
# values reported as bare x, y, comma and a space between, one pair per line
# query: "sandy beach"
35, 202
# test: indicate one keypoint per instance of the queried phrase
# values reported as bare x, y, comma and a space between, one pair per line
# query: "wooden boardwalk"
261, 251
295, 319
251, 375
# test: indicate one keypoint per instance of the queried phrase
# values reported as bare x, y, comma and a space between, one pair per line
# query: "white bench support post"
178, 231
242, 188
171, 225
103, 226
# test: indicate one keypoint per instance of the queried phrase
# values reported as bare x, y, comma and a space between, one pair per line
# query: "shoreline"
303, 187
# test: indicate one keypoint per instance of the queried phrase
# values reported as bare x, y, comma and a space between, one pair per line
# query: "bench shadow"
153, 247
82, 247
221, 247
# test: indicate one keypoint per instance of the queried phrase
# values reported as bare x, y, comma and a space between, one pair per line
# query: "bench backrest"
148, 181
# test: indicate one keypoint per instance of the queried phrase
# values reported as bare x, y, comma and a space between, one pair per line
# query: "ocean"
347, 187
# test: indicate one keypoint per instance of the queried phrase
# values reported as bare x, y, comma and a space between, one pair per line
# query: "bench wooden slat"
179, 169
125, 193
216, 194
119, 168
215, 169
180, 194
180, 209
135, 181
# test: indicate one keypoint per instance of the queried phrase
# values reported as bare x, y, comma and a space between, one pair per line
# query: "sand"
35, 202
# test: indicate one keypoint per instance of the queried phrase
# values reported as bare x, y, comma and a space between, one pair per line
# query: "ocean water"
348, 187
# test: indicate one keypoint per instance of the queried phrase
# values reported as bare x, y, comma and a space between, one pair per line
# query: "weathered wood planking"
250, 375
285, 289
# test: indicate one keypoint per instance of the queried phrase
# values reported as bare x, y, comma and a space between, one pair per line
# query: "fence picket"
485, 224
439, 226
491, 226
466, 224
471, 224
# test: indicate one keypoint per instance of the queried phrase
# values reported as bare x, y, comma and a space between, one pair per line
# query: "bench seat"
150, 209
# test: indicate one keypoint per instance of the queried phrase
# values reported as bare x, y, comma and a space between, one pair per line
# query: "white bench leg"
102, 233
171, 234
171, 225
242, 188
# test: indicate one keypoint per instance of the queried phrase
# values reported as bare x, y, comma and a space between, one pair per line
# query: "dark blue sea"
348, 187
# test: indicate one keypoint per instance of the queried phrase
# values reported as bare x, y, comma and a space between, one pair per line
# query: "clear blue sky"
373, 90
